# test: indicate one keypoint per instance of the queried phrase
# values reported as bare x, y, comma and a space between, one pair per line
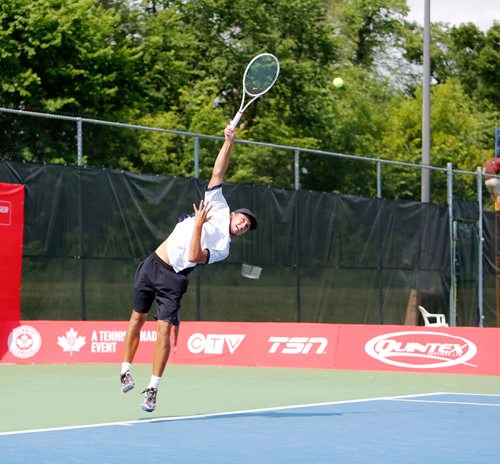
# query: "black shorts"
155, 279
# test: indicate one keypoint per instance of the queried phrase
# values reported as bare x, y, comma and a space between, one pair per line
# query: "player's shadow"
274, 415
263, 414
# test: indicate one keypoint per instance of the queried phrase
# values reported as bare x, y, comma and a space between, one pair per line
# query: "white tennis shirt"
215, 235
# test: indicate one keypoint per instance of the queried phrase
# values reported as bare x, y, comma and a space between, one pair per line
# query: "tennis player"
202, 238
492, 167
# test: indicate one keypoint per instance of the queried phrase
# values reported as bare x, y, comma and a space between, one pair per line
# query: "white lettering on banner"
423, 350
148, 335
106, 341
297, 345
112, 335
103, 347
5, 210
119, 335
214, 343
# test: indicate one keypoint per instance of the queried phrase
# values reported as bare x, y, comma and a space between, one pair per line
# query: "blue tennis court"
431, 428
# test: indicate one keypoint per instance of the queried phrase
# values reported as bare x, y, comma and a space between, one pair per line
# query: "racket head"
261, 74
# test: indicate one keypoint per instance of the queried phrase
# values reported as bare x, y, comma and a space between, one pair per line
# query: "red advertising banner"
73, 342
454, 350
11, 249
257, 344
451, 350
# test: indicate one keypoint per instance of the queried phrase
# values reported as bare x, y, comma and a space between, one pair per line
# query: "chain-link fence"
53, 138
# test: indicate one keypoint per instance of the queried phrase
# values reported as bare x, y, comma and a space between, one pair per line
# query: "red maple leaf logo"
24, 341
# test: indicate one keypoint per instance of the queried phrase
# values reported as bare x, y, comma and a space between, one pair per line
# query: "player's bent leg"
133, 335
162, 348
132, 339
160, 358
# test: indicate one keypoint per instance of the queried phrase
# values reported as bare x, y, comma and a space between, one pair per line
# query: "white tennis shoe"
149, 403
127, 382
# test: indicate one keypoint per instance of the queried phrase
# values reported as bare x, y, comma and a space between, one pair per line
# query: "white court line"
475, 394
492, 405
218, 414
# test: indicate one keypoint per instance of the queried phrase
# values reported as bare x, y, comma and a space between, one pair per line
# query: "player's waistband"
184, 272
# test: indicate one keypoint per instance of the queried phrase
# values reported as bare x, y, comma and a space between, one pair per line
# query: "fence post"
453, 244
379, 266
79, 153
497, 141
379, 179
297, 169
79, 142
297, 237
480, 277
197, 276
83, 304
196, 157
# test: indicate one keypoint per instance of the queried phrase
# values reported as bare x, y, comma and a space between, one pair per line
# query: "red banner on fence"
457, 350
11, 249
453, 350
258, 344
74, 342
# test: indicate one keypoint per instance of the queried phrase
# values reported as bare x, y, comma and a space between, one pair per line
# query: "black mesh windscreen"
325, 257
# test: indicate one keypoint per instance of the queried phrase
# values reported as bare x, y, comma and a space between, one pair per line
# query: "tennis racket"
260, 75
250, 271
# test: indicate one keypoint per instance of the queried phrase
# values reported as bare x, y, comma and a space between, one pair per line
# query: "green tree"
368, 28
227, 35
489, 67
169, 60
460, 135
67, 55
178, 64
463, 52
441, 63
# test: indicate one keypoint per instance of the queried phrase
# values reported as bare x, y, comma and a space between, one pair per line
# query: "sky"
480, 12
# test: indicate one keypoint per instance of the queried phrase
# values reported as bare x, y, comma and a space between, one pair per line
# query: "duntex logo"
421, 350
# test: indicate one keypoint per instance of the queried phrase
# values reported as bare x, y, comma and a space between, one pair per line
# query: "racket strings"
250, 271
261, 75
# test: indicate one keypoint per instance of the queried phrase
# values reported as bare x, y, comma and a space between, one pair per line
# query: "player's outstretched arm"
222, 161
196, 253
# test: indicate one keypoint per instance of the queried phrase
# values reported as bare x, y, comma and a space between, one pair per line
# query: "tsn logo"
297, 345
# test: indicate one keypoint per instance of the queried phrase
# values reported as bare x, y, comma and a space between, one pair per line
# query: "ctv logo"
214, 343
5, 210
297, 345
421, 350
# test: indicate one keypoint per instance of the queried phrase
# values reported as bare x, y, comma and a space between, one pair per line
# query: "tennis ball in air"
338, 82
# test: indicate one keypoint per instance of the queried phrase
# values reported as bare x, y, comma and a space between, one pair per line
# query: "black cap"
250, 215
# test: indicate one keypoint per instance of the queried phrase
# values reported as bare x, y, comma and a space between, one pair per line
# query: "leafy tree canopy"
178, 64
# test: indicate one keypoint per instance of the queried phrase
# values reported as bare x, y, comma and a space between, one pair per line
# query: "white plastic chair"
439, 319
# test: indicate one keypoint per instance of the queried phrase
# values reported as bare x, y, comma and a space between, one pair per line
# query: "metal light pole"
426, 106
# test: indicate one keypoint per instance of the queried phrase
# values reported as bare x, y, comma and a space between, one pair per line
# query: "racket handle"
236, 119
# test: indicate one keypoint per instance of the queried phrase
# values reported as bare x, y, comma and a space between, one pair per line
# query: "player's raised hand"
201, 213
222, 161
230, 133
